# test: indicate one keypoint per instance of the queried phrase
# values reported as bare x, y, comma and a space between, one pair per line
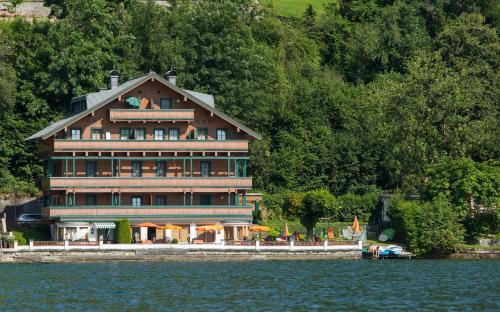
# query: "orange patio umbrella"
207, 228
286, 230
259, 228
355, 225
147, 224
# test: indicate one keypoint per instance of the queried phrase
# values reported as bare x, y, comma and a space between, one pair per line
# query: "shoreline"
168, 255
157, 255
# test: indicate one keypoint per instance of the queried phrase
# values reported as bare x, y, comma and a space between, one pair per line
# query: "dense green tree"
315, 205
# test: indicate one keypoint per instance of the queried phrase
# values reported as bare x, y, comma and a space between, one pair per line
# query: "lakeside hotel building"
146, 151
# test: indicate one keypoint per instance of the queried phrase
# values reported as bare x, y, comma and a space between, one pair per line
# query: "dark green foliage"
36, 233
123, 232
427, 228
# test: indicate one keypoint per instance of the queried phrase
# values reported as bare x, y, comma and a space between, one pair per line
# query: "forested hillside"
368, 94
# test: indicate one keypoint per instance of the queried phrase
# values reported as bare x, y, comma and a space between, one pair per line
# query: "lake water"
357, 285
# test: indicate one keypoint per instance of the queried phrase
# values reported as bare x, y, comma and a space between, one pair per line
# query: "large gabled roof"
98, 99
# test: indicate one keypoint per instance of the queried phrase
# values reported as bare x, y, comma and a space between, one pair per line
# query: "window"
136, 168
161, 200
205, 199
166, 103
159, 134
124, 134
205, 168
96, 134
91, 168
203, 134
173, 134
76, 134
221, 134
90, 200
136, 201
116, 200
161, 168
139, 134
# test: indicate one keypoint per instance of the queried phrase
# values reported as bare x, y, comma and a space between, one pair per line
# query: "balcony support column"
119, 166
191, 167
183, 167
229, 198
184, 199
235, 167
228, 167
66, 167
112, 167
245, 168
73, 173
244, 199
236, 198
191, 199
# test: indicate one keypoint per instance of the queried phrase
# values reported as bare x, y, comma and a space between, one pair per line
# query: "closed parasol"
355, 225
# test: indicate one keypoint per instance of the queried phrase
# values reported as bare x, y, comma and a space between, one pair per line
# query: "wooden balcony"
143, 183
62, 145
118, 212
151, 115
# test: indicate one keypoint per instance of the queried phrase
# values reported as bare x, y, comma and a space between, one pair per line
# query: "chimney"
172, 76
113, 79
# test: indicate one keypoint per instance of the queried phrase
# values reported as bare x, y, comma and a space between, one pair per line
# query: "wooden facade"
172, 159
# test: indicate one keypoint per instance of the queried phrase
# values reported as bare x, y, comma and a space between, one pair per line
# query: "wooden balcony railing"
147, 211
145, 182
151, 114
61, 145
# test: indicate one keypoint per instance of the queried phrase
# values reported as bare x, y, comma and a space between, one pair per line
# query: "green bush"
36, 233
123, 233
175, 241
428, 228
18, 236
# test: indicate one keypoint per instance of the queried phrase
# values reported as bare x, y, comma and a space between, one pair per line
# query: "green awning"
133, 101
105, 225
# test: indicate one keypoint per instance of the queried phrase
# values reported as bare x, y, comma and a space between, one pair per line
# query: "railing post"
31, 244
101, 243
360, 244
66, 244
291, 244
15, 244
325, 243
257, 244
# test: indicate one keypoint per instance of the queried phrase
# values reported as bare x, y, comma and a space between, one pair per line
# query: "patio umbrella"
171, 227
355, 225
286, 230
147, 224
209, 228
259, 228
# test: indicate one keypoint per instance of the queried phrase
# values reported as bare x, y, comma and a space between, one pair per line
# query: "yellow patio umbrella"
355, 225
286, 230
259, 228
171, 227
207, 228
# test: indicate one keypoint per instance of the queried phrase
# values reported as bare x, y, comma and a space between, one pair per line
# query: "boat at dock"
389, 252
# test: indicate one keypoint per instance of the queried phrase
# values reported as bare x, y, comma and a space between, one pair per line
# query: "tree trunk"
310, 233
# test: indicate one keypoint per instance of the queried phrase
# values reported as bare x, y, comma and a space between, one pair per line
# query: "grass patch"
295, 8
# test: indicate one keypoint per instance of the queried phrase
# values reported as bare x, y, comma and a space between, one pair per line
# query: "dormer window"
77, 107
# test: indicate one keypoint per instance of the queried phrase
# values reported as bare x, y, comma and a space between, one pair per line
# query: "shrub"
175, 241
36, 233
429, 227
123, 233
18, 236
273, 234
